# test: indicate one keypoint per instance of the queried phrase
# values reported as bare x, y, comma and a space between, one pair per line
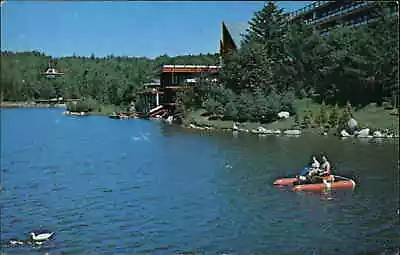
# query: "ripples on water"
138, 187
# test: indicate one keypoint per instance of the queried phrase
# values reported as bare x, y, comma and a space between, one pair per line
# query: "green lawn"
370, 116
374, 117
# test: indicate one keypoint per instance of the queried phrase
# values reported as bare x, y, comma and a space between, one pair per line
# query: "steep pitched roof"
237, 30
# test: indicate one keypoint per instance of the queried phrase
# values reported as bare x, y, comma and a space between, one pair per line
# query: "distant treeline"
108, 80
281, 60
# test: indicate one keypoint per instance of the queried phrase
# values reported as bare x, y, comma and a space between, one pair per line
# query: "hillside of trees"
109, 80
281, 61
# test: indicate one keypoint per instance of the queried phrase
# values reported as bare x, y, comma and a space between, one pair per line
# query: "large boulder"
292, 132
363, 133
344, 133
262, 130
283, 115
170, 119
352, 124
377, 134
269, 132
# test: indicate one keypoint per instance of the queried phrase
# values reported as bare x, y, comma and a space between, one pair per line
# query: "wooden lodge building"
160, 98
322, 15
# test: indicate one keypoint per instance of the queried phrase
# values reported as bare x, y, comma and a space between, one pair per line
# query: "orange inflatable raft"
332, 182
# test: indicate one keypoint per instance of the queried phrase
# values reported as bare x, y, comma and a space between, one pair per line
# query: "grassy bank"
29, 105
371, 116
106, 110
91, 106
99, 110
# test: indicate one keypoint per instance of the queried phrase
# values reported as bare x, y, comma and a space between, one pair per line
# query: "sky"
122, 28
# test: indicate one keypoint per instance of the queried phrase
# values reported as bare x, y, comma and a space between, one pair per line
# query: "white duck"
41, 237
16, 242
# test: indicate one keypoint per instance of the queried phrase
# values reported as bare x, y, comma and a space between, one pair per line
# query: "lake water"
110, 186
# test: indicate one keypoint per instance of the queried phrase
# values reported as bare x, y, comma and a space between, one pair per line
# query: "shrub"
186, 100
334, 117
245, 107
287, 100
84, 105
345, 117
323, 115
307, 119
387, 105
214, 107
231, 111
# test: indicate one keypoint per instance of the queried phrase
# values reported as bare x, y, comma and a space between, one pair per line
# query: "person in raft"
317, 172
314, 169
322, 173
326, 167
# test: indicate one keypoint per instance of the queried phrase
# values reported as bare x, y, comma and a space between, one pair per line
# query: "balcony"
309, 8
338, 14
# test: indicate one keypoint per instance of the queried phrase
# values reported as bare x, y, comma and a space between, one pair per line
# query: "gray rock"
377, 134
352, 124
363, 133
344, 133
259, 130
283, 115
262, 130
197, 127
269, 132
292, 132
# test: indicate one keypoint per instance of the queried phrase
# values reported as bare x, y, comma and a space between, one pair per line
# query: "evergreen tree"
323, 117
268, 27
334, 117
345, 117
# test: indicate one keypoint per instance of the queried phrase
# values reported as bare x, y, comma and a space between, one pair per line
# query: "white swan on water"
41, 237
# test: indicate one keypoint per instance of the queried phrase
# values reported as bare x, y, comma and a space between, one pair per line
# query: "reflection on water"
139, 187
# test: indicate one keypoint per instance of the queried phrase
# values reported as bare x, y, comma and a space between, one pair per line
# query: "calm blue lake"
135, 186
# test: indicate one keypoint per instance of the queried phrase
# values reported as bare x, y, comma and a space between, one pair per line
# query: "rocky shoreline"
261, 131
364, 133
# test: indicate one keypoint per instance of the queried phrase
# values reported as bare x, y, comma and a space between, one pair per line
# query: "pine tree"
307, 119
322, 118
334, 117
268, 27
346, 115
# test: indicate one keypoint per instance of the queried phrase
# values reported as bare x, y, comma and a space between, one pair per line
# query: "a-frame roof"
236, 31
